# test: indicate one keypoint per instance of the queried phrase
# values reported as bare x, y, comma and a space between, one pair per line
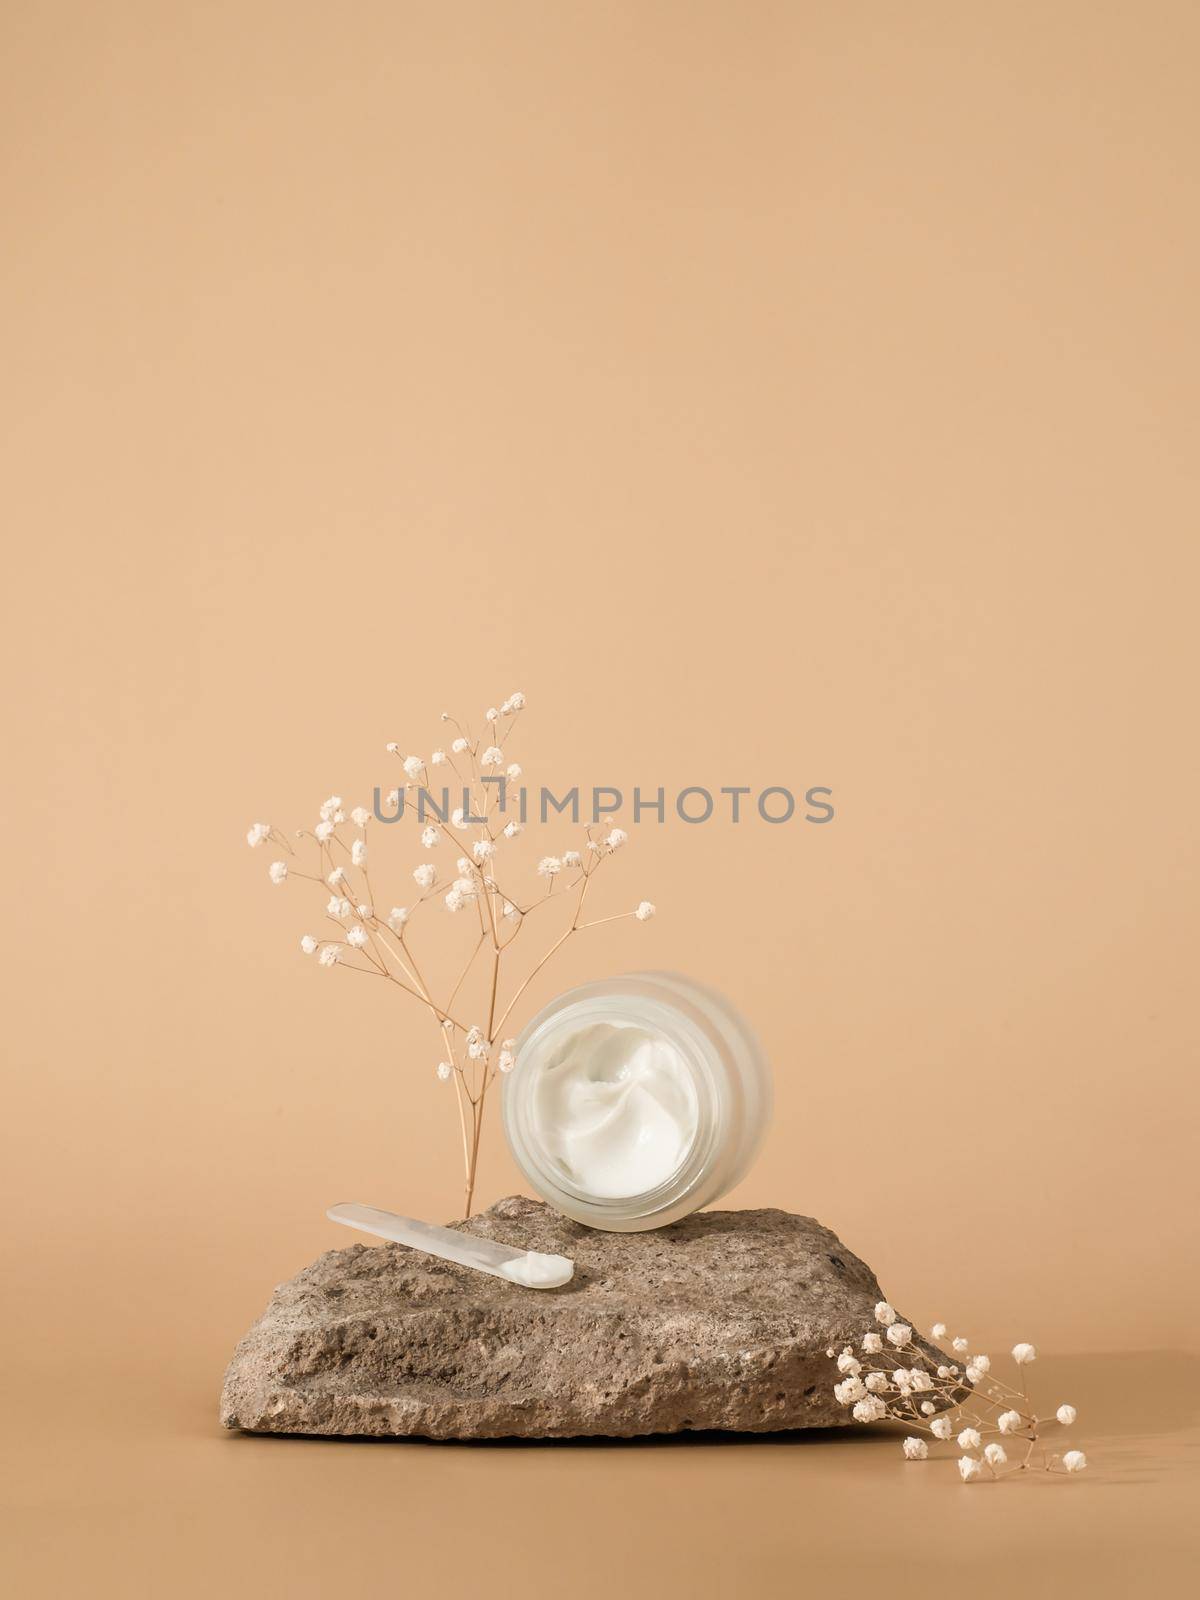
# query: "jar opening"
634, 1100
613, 1109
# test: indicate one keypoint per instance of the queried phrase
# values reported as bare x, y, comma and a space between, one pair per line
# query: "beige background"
776, 393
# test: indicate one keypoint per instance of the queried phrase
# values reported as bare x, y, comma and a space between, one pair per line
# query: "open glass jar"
636, 1100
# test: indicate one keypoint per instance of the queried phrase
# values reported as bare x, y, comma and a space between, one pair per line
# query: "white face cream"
636, 1100
614, 1107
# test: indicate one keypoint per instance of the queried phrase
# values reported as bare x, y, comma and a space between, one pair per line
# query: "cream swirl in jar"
636, 1100
615, 1108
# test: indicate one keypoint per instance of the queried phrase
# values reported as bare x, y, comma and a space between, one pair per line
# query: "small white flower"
1066, 1415
478, 1050
458, 818
960, 1346
507, 1061
973, 1373
884, 1314
512, 829
847, 1363
849, 1390
915, 1449
982, 1363
872, 1343
444, 1069
464, 866
877, 1382
940, 1427
938, 1331
927, 1408
616, 838
413, 768
358, 853
429, 837
571, 858
517, 701
513, 771
458, 746
995, 1455
509, 910
324, 832
360, 816
1008, 1421
482, 849
393, 749
870, 1409
438, 758
425, 875
1023, 1354
920, 1380
393, 797
493, 756
467, 887
337, 907
900, 1377
944, 1372
899, 1334
645, 910
549, 866
492, 714
277, 871
365, 912
338, 875
334, 803
969, 1439
397, 917
474, 1034
969, 1469
357, 936
1074, 1461
330, 955
454, 901
258, 832
308, 944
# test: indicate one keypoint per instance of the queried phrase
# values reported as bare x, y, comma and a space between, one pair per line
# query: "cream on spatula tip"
529, 1268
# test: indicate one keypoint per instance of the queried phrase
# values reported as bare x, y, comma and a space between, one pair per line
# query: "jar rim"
725, 1066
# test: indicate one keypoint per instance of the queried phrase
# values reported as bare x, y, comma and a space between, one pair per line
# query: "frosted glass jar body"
678, 1077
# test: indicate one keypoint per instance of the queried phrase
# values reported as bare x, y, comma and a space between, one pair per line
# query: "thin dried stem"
387, 951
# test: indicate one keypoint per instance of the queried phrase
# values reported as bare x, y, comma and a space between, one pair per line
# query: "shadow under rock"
1120, 1407
691, 1439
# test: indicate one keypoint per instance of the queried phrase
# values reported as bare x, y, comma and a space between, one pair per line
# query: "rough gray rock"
720, 1321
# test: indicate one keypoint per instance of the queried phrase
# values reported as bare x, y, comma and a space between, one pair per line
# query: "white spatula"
529, 1268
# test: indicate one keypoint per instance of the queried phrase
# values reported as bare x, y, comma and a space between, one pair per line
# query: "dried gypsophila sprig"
471, 1054
928, 1396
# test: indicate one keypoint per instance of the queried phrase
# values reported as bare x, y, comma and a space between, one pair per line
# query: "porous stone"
722, 1320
